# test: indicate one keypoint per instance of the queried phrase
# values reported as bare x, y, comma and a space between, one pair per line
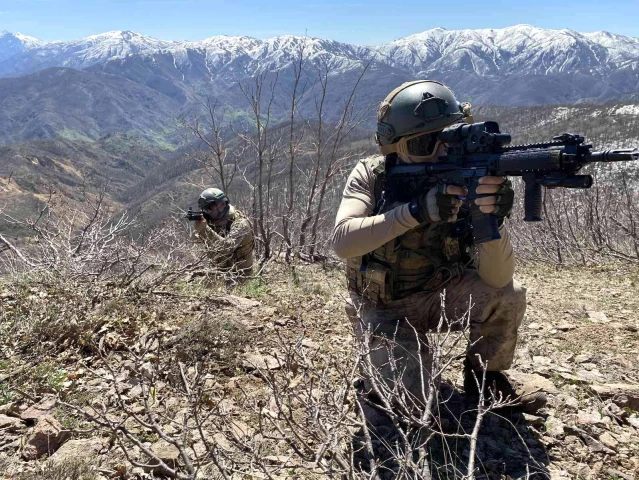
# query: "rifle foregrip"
532, 201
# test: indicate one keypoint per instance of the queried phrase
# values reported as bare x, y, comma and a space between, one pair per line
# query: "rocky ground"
95, 380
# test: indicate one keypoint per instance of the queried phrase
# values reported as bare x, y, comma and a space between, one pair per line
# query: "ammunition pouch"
378, 283
372, 279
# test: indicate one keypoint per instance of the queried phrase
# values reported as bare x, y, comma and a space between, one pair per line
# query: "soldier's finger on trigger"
455, 190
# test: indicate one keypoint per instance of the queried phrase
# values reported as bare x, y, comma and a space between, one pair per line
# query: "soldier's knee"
514, 292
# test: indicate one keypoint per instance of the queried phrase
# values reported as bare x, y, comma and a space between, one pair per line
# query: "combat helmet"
213, 195
413, 110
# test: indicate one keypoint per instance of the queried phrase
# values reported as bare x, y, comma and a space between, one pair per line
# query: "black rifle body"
193, 215
479, 149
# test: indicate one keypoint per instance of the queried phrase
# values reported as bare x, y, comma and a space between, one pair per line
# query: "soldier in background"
226, 232
402, 256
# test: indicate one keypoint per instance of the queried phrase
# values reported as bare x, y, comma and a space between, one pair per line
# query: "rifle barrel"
615, 155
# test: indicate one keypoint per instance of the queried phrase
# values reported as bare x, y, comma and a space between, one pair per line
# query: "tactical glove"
504, 198
436, 205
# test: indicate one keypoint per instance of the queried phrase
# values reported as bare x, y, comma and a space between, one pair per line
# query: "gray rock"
587, 418
611, 390
613, 410
255, 361
47, 436
166, 452
541, 361
568, 402
617, 474
10, 424
533, 420
609, 441
593, 444
597, 317
82, 448
531, 382
43, 408
10, 409
583, 358
555, 427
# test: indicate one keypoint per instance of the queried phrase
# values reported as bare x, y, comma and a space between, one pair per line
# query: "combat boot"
527, 401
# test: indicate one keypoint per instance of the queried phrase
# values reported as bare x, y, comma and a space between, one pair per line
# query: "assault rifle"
479, 149
192, 215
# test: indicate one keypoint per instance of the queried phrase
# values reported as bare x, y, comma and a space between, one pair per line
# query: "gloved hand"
439, 204
200, 225
501, 203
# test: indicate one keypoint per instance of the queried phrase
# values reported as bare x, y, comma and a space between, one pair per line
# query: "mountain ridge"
525, 44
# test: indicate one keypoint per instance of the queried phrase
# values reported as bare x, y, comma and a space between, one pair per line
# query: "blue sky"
366, 23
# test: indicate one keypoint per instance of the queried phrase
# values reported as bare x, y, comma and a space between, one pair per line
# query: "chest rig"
421, 260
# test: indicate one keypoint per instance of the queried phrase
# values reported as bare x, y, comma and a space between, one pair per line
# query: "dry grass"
57, 343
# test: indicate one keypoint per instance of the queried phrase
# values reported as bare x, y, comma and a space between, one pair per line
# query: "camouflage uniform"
402, 280
230, 242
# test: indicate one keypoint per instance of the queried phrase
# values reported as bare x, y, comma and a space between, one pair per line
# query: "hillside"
277, 353
68, 169
124, 354
127, 82
605, 126
68, 103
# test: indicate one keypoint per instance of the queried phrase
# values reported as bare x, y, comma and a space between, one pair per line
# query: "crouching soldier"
402, 253
226, 232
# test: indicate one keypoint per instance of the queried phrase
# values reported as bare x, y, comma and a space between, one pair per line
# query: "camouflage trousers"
494, 318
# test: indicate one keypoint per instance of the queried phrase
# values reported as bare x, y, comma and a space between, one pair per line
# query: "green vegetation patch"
74, 135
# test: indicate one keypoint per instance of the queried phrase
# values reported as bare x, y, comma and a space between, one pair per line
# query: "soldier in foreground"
226, 232
402, 256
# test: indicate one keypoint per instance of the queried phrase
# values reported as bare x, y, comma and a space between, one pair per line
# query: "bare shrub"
92, 242
312, 419
581, 227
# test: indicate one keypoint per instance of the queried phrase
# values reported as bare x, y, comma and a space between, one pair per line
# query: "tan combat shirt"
356, 233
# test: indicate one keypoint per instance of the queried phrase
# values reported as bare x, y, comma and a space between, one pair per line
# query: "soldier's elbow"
340, 247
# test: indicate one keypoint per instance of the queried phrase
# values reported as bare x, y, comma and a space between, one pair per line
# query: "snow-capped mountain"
521, 49
36, 55
519, 65
14, 43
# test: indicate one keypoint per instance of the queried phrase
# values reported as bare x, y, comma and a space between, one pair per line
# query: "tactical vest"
421, 260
